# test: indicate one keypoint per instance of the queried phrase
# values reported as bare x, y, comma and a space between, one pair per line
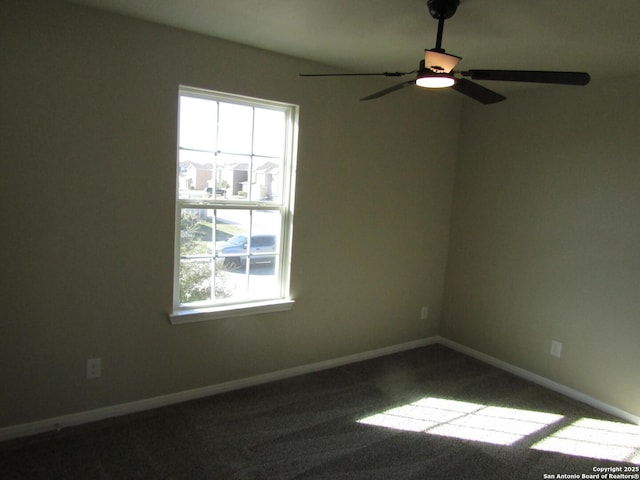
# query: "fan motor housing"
442, 9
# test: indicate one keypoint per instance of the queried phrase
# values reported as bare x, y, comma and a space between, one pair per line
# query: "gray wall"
545, 239
89, 103
544, 232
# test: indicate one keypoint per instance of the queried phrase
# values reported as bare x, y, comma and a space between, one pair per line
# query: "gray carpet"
307, 427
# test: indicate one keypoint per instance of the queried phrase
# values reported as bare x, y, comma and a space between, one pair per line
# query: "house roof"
267, 167
197, 166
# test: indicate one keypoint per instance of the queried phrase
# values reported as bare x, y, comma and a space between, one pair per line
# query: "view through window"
235, 180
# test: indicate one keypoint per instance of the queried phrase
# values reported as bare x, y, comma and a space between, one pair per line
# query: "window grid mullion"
247, 267
250, 195
214, 261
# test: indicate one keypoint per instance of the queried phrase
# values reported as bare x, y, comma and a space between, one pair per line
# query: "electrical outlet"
94, 367
556, 348
424, 313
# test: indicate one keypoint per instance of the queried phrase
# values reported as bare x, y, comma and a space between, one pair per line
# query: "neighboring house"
264, 181
195, 176
265, 178
234, 174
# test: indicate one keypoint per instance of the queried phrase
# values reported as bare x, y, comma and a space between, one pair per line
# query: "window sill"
227, 311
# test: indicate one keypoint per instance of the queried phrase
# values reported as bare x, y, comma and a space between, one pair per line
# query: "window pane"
232, 237
264, 279
196, 174
198, 120
195, 280
232, 241
196, 231
267, 222
269, 133
266, 179
196, 268
264, 273
248, 256
236, 128
233, 174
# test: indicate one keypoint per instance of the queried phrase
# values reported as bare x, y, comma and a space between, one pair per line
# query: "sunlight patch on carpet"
593, 438
463, 420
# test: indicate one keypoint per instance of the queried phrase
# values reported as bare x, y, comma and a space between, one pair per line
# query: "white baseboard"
542, 381
57, 423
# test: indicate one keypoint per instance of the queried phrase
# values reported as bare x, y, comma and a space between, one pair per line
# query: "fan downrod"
442, 9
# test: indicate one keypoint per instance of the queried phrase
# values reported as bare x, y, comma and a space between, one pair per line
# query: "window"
234, 205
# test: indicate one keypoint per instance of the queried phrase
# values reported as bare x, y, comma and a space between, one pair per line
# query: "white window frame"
185, 313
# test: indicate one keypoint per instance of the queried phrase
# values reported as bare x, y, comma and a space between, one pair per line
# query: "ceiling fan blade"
384, 74
534, 76
388, 90
477, 92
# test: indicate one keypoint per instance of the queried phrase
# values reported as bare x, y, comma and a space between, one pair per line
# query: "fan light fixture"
439, 61
435, 81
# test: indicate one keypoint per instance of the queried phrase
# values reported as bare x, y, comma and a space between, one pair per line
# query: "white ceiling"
597, 36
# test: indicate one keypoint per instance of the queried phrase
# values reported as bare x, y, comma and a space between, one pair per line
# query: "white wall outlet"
556, 348
424, 313
94, 367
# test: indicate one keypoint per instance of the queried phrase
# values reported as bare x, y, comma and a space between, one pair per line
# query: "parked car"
233, 252
219, 191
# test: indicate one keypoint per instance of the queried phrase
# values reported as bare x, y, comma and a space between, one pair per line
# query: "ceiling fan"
437, 68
